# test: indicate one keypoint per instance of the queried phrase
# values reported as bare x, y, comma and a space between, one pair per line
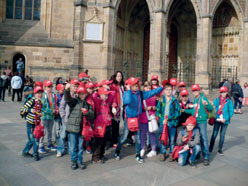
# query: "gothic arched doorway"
132, 38
182, 35
19, 62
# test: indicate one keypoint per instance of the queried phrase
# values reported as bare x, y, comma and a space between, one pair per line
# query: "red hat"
165, 82
104, 91
38, 83
154, 86
83, 75
132, 81
47, 83
106, 82
81, 89
154, 77
184, 92
60, 87
195, 87
181, 84
97, 84
37, 89
173, 81
89, 85
75, 82
223, 89
190, 120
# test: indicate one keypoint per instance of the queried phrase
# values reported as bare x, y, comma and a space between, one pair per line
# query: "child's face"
118, 77
135, 87
168, 91
73, 88
49, 89
196, 93
147, 88
103, 97
190, 127
61, 91
39, 95
154, 82
90, 90
82, 96
180, 88
184, 98
223, 94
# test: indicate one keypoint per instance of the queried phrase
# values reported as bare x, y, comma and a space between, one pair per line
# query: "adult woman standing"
118, 87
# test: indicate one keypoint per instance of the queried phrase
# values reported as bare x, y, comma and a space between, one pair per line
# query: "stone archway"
182, 35
17, 57
225, 44
132, 38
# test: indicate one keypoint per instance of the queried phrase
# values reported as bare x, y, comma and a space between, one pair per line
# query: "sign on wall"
94, 31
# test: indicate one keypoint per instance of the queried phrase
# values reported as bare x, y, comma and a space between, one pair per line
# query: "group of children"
89, 115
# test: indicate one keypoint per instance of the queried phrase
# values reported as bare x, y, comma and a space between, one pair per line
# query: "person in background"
59, 81
28, 88
245, 91
3, 86
237, 94
154, 80
16, 85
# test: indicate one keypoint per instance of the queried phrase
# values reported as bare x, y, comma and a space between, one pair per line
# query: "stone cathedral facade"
197, 41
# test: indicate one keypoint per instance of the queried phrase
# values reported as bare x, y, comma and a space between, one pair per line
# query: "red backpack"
87, 131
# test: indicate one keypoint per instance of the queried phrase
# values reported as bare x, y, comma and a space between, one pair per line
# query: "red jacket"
117, 99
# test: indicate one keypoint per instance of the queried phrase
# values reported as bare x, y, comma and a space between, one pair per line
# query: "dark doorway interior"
173, 52
15, 59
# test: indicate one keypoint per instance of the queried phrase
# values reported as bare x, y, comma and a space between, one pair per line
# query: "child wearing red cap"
49, 110
80, 113
32, 113
224, 111
185, 103
133, 99
201, 107
154, 80
188, 142
102, 124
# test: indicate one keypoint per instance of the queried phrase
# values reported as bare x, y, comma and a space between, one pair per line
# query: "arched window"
23, 9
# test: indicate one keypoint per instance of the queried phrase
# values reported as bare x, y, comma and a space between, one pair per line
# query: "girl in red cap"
188, 142
224, 111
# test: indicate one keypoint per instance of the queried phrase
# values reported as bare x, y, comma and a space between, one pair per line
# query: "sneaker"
162, 157
221, 152
117, 156
27, 155
151, 154
206, 162
59, 154
52, 148
36, 158
42, 150
139, 159
82, 166
74, 165
142, 152
192, 164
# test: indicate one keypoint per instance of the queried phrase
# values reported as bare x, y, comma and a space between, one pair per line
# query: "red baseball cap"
173, 81
81, 89
184, 92
165, 82
106, 82
83, 75
37, 89
181, 84
195, 87
38, 83
104, 91
60, 87
89, 85
75, 82
97, 84
190, 120
132, 81
47, 83
223, 89
154, 77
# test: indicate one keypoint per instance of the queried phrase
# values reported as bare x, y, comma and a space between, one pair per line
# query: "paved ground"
231, 169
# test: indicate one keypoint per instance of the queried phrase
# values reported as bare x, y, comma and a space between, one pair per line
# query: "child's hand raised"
67, 86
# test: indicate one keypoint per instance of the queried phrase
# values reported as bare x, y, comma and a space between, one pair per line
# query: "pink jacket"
149, 102
103, 108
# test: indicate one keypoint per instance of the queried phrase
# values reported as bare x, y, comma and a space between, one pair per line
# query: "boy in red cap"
49, 110
32, 113
133, 99
102, 124
201, 106
185, 103
188, 142
224, 111
80, 112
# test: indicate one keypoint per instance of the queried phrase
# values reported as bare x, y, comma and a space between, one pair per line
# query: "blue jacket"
228, 109
174, 111
131, 102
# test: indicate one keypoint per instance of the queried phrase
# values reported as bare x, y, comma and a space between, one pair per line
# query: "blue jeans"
32, 141
204, 139
124, 137
171, 135
236, 102
76, 147
2, 93
222, 128
61, 140
57, 129
182, 159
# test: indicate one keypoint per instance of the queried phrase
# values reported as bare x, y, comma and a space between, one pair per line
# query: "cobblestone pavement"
231, 169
